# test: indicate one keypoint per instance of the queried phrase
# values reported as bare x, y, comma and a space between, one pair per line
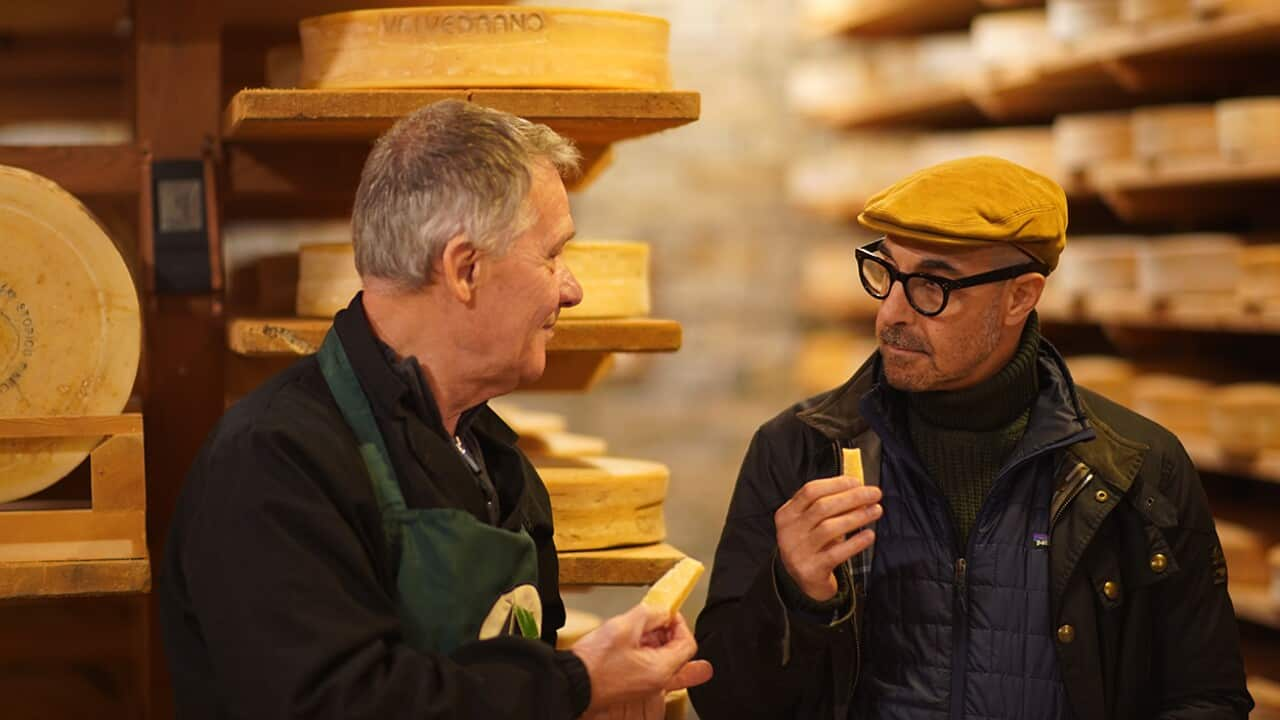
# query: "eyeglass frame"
866, 253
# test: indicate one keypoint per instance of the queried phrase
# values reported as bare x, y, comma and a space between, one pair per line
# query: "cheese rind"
673, 588
475, 47
604, 502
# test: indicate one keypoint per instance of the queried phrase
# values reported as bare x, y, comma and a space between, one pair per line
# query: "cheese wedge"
604, 502
327, 279
614, 277
851, 463
673, 588
484, 47
70, 332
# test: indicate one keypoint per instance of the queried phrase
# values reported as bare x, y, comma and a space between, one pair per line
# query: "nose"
570, 290
894, 309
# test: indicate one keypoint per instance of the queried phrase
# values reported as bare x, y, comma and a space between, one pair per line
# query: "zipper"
1074, 485
960, 638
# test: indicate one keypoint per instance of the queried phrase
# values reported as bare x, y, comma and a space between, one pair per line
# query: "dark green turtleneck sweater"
964, 437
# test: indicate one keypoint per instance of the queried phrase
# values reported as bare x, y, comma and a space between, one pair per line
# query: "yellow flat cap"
974, 201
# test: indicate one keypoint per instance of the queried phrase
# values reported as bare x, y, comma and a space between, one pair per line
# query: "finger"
843, 502
835, 528
651, 618
841, 551
815, 490
692, 674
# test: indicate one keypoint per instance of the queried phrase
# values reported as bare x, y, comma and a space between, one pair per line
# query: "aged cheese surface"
1087, 140
327, 279
468, 47
614, 277
1202, 262
604, 502
69, 325
673, 588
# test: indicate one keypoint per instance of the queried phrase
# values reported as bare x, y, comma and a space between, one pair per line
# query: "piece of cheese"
1246, 552
562, 445
1245, 418
614, 277
1077, 20
1014, 40
476, 47
577, 623
1180, 404
1166, 134
1193, 263
851, 464
1086, 141
1145, 11
605, 502
70, 332
1109, 376
327, 279
673, 588
1247, 128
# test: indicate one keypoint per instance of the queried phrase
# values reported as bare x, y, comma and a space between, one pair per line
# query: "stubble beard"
922, 373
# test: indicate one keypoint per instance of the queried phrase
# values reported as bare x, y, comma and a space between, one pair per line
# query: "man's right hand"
634, 657
814, 527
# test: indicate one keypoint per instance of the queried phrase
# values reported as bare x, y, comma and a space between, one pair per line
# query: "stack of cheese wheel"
1260, 278
1085, 142
1096, 274
1180, 404
1110, 377
1076, 21
475, 47
614, 277
605, 502
1194, 275
577, 623
830, 89
1245, 418
836, 181
70, 332
1031, 147
1014, 40
830, 285
327, 278
1170, 134
1246, 553
1149, 11
827, 358
1247, 128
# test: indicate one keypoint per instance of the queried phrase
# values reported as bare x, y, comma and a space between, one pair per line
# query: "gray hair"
451, 168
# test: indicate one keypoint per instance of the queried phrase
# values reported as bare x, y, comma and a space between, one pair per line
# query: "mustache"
898, 337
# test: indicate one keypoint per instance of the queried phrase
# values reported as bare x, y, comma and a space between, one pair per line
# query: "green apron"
458, 579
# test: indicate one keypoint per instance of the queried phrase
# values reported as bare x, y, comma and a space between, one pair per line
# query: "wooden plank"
619, 566
302, 336
80, 426
72, 535
943, 106
587, 116
1243, 324
74, 579
82, 169
892, 17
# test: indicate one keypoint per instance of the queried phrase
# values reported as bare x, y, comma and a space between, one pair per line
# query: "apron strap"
336, 367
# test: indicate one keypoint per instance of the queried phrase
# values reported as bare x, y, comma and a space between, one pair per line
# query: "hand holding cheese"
814, 527
673, 588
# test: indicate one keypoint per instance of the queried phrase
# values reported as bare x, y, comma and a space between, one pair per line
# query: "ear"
459, 268
1024, 293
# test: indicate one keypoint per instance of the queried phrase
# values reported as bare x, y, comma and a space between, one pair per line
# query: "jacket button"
1111, 589
1101, 496
1066, 634
1159, 563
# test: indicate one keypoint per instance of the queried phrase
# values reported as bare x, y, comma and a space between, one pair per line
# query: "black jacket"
277, 598
1140, 593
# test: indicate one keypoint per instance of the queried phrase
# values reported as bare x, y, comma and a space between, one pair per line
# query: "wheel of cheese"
1245, 418
826, 359
1192, 263
1145, 11
1106, 375
471, 47
1180, 404
1098, 262
529, 422
562, 445
614, 277
1076, 20
1246, 552
70, 332
1260, 273
605, 502
1249, 127
577, 623
1173, 132
1085, 141
1013, 40
327, 279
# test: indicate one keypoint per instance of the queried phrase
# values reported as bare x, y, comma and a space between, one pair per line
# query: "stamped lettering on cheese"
464, 23
17, 338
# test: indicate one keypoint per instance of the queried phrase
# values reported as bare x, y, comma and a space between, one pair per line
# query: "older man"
360, 537
1038, 551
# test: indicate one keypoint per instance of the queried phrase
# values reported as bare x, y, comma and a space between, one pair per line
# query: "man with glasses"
1020, 547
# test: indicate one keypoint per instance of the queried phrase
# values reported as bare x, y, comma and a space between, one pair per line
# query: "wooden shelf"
1237, 323
895, 17
589, 117
82, 169
1195, 190
265, 337
620, 566
1208, 457
936, 107
70, 579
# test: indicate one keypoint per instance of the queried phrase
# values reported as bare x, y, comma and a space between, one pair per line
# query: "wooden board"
886, 17
1200, 190
302, 336
620, 566
586, 116
72, 579
1246, 323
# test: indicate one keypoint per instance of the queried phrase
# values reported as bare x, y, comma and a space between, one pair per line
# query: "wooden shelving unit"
1142, 318
895, 17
